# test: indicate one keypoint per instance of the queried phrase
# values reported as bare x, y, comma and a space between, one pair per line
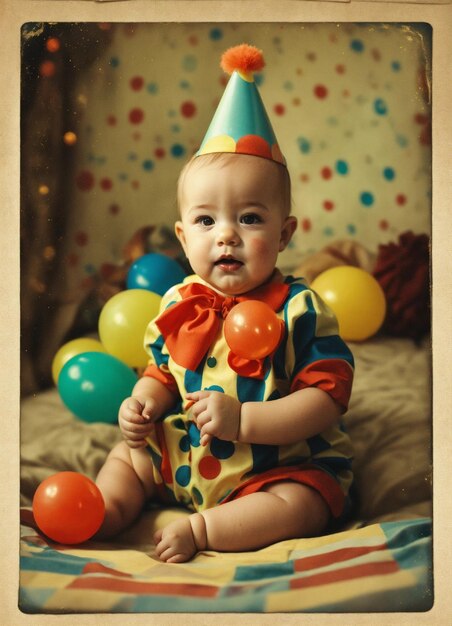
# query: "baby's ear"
287, 231
180, 234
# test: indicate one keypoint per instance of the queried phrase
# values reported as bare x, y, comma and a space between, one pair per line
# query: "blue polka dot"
342, 167
288, 85
175, 128
184, 84
395, 65
402, 141
132, 156
197, 496
216, 34
367, 198
351, 229
211, 361
148, 165
189, 63
214, 388
179, 423
184, 443
389, 173
177, 150
194, 435
304, 145
89, 268
328, 231
152, 88
222, 449
183, 475
114, 61
380, 106
357, 45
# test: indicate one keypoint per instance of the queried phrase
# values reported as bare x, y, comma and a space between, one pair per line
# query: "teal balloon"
154, 272
93, 385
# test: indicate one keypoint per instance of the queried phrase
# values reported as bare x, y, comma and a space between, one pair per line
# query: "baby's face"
233, 221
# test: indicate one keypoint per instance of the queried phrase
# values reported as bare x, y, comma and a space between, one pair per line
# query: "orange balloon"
68, 507
252, 329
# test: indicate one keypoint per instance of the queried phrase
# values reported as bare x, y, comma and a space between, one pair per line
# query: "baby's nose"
227, 236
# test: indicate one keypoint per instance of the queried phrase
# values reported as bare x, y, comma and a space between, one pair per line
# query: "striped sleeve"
154, 345
316, 355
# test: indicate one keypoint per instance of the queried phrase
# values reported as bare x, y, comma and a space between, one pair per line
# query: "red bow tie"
189, 327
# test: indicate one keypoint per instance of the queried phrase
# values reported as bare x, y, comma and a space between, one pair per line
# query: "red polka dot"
114, 209
376, 54
328, 205
401, 199
296, 102
188, 109
279, 109
47, 69
136, 83
209, 467
81, 238
326, 173
193, 40
85, 180
136, 116
340, 69
111, 120
306, 225
320, 91
159, 153
304, 178
253, 144
384, 224
106, 184
135, 184
72, 259
223, 80
136, 136
421, 118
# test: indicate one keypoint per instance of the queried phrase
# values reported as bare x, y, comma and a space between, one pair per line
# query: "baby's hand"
136, 417
216, 414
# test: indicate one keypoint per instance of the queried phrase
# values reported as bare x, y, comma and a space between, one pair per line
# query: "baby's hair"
222, 158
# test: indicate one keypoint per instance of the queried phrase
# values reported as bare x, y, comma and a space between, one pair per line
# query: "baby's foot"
181, 539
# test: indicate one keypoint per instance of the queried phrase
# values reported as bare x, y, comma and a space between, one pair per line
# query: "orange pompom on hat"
241, 123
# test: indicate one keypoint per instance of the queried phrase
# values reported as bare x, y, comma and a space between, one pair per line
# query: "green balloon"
93, 385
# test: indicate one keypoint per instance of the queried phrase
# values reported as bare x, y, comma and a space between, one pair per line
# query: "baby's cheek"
259, 247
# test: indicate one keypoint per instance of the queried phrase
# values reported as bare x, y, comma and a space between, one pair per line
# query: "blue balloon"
93, 385
154, 272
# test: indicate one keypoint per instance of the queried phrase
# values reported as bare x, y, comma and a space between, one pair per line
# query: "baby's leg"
126, 483
282, 510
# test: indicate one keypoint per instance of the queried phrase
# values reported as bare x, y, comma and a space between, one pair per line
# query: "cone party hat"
241, 123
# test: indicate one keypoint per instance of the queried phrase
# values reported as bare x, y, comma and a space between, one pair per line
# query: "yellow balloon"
356, 299
73, 348
123, 321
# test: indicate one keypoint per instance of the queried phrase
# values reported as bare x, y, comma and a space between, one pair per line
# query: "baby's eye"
250, 218
204, 220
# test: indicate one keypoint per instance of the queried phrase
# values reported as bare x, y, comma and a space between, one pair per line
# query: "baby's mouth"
228, 264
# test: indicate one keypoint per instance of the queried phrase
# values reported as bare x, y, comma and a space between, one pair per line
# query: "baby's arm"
149, 400
300, 415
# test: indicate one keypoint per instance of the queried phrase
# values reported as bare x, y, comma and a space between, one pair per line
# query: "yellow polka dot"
248, 77
220, 143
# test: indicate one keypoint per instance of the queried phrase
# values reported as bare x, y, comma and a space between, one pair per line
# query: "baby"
252, 447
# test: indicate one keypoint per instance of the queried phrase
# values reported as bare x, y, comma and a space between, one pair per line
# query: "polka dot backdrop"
349, 104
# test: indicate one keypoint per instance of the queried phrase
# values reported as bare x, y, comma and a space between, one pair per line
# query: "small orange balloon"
68, 507
252, 329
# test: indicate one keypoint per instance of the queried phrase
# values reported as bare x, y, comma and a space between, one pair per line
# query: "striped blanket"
381, 567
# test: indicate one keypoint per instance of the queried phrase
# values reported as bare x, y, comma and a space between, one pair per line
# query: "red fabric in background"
403, 271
